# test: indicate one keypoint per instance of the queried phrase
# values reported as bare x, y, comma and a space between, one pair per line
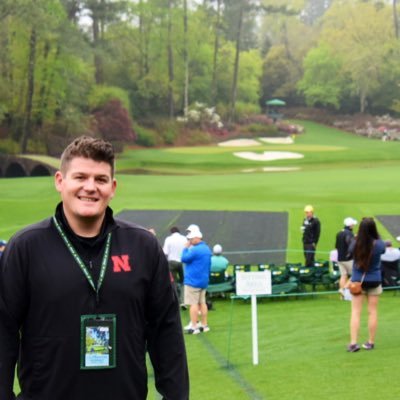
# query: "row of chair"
286, 278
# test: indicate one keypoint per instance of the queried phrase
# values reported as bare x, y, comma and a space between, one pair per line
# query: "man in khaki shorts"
345, 258
197, 259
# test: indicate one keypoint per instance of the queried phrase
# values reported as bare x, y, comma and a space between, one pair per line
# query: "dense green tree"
360, 35
322, 83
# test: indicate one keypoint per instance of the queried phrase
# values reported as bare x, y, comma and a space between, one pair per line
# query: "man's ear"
114, 186
58, 178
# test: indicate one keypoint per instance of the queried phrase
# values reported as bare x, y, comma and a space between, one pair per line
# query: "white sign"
253, 283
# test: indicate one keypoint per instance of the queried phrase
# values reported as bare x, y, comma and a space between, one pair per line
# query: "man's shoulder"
204, 247
32, 230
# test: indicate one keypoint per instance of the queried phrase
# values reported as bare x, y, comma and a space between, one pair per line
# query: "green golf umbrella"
275, 102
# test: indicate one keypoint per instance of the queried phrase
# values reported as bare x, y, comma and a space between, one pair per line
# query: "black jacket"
43, 293
343, 241
311, 230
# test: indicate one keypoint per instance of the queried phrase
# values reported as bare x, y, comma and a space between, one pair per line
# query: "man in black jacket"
311, 229
84, 295
345, 259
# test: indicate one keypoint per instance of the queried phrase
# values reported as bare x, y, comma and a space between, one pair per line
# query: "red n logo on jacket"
121, 263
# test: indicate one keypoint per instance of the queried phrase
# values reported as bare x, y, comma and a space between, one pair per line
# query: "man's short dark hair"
174, 229
88, 147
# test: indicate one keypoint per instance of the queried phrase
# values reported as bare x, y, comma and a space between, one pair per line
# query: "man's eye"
102, 180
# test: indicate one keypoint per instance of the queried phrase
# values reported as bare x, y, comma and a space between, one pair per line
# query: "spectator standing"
344, 239
197, 259
81, 278
173, 247
311, 229
368, 248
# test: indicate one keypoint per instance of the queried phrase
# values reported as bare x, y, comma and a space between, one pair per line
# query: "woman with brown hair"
367, 250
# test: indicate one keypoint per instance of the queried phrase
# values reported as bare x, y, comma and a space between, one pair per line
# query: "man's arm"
9, 343
317, 230
12, 294
166, 246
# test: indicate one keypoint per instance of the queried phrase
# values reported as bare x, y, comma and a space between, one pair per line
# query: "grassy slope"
357, 180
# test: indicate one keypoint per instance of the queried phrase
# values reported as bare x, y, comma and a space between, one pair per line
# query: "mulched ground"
246, 237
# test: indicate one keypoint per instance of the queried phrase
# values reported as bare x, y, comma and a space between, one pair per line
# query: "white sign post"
253, 284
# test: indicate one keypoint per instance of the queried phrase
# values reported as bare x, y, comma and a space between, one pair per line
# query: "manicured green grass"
323, 147
302, 352
301, 342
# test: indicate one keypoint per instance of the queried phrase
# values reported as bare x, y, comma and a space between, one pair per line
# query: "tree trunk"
363, 101
27, 128
216, 52
395, 19
43, 86
185, 59
236, 67
98, 62
170, 63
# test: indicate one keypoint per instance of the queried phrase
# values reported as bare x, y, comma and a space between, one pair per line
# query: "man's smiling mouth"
88, 199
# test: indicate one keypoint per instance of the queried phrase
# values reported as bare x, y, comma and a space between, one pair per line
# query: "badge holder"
98, 349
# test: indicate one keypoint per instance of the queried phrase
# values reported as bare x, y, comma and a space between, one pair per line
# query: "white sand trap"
280, 169
268, 155
240, 143
271, 169
286, 140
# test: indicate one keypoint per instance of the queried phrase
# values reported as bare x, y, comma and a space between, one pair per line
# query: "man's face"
309, 214
86, 188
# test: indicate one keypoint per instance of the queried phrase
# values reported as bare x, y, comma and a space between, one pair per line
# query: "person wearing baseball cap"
197, 259
344, 238
311, 229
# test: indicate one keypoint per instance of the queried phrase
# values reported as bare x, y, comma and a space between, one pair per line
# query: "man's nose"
90, 184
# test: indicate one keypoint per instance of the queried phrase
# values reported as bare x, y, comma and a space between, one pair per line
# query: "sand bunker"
268, 155
272, 169
286, 140
240, 143
254, 142
280, 169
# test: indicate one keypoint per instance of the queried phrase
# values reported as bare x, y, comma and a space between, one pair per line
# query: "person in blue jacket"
367, 250
197, 259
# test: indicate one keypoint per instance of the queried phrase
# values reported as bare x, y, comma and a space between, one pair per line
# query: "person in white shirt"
390, 265
173, 247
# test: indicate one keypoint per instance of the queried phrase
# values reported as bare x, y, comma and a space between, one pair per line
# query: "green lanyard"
82, 265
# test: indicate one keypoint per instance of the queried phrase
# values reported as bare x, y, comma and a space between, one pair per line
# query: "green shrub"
145, 137
9, 146
196, 137
36, 146
223, 110
168, 131
244, 110
100, 95
259, 129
